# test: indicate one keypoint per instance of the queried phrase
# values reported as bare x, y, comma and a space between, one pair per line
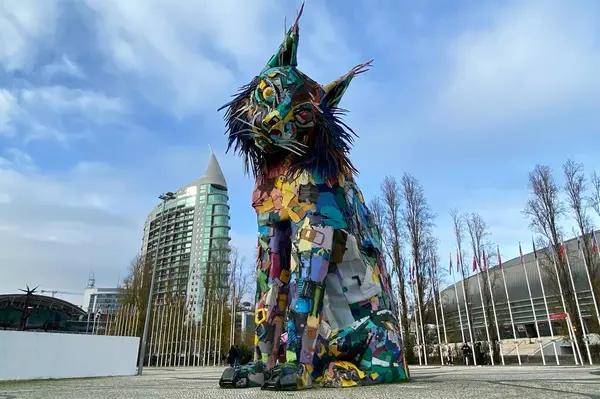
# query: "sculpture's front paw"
287, 377
247, 376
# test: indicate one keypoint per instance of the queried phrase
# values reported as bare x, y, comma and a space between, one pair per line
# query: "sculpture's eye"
268, 93
304, 118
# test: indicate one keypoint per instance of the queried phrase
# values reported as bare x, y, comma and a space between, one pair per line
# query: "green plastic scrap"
262, 280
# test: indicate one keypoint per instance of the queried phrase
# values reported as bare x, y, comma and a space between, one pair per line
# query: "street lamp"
166, 197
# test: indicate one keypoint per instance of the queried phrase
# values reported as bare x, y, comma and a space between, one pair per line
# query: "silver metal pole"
462, 272
589, 278
537, 328
583, 327
484, 310
572, 337
537, 264
462, 330
512, 320
142, 354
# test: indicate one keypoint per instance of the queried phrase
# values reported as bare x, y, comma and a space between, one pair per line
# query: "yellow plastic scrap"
334, 350
304, 379
288, 196
266, 206
322, 351
294, 217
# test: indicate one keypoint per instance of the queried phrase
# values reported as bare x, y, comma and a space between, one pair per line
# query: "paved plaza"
428, 382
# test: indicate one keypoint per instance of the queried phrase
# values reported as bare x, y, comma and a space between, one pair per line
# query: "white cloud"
64, 66
24, 24
536, 58
17, 159
55, 228
169, 49
42, 111
90, 105
8, 106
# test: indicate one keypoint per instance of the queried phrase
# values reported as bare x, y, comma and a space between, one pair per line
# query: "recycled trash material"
322, 291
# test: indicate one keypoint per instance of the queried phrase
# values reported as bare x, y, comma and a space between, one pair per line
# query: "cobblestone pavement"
428, 382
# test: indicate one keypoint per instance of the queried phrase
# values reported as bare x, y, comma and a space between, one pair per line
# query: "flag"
483, 258
499, 259
562, 249
534, 251
450, 268
434, 264
520, 253
594, 243
474, 263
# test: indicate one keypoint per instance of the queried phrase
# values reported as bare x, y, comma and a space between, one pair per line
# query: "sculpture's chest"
282, 197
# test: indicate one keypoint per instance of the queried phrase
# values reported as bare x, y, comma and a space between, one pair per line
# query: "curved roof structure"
516, 283
40, 301
213, 174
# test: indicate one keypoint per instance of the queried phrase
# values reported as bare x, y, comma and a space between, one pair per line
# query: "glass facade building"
192, 238
103, 300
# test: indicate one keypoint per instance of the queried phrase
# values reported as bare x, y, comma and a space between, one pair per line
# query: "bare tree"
418, 220
136, 287
459, 234
544, 209
377, 209
481, 247
594, 198
391, 214
576, 187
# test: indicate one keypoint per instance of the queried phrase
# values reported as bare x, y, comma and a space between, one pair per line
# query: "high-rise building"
102, 300
193, 253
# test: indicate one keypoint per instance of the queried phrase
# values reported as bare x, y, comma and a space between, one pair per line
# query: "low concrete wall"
37, 355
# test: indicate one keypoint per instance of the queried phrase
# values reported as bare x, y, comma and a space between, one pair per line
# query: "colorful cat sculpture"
325, 312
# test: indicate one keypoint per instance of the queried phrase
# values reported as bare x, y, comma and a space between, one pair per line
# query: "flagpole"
160, 336
415, 269
399, 314
152, 335
537, 328
537, 263
462, 269
587, 272
572, 337
476, 264
169, 342
181, 332
107, 322
437, 281
462, 330
585, 337
595, 244
437, 321
415, 313
487, 271
512, 321
191, 323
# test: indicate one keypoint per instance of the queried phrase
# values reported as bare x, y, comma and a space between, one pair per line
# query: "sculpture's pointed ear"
288, 50
335, 90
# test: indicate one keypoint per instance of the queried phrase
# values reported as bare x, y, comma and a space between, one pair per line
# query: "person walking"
232, 357
449, 359
466, 350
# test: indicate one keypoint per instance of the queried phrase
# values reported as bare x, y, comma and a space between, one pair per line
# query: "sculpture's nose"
271, 120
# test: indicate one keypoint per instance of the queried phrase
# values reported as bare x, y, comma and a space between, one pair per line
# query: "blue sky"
106, 104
